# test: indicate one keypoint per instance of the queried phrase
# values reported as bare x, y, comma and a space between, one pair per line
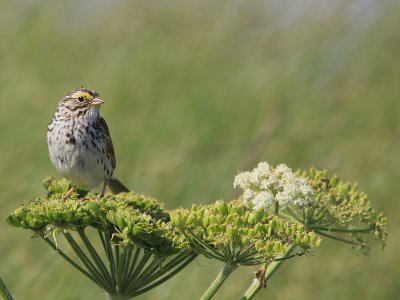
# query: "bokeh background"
197, 91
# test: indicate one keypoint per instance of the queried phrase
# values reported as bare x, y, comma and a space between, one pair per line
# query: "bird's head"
82, 102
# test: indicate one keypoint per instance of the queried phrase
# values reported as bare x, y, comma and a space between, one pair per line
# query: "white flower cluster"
265, 186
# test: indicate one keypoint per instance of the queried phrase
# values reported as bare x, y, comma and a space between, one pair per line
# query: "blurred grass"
197, 91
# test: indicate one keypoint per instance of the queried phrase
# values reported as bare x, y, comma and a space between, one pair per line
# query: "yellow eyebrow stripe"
82, 94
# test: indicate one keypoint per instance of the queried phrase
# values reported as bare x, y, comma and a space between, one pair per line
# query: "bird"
80, 145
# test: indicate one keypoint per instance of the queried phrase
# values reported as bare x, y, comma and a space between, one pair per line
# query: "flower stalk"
117, 297
261, 280
4, 291
131, 271
226, 270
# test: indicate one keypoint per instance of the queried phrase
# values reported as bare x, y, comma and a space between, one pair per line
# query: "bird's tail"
116, 186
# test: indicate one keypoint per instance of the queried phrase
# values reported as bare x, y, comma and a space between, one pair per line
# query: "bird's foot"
68, 194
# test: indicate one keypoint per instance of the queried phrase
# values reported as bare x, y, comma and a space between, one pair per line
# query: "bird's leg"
68, 194
104, 188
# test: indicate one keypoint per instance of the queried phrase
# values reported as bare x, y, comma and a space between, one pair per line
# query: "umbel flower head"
128, 217
340, 209
323, 204
239, 235
140, 247
265, 186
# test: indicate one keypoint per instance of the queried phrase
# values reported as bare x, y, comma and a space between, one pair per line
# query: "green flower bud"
86, 220
173, 218
345, 188
314, 239
354, 188
305, 240
260, 228
155, 238
196, 207
256, 216
230, 219
111, 217
239, 222
313, 172
250, 233
138, 230
278, 247
288, 231
317, 177
206, 220
234, 210
269, 247
280, 225
293, 229
269, 231
273, 224
221, 207
181, 220
260, 244
240, 211
230, 232
221, 228
13, 220
334, 181
212, 229
298, 239
199, 214
190, 219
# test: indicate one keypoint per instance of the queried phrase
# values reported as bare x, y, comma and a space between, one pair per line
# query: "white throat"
92, 114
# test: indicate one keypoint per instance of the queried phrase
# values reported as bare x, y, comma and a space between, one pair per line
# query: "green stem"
207, 250
117, 297
294, 215
149, 270
96, 258
336, 238
127, 259
100, 280
222, 276
132, 267
256, 285
120, 264
108, 250
138, 268
4, 291
68, 259
168, 276
276, 210
287, 216
341, 229
177, 261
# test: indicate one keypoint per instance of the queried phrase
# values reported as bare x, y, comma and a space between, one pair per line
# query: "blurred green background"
197, 91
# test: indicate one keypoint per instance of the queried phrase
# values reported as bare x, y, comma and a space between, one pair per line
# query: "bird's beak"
97, 102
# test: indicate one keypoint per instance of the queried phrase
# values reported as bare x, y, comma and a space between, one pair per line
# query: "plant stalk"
256, 285
117, 297
4, 291
361, 230
222, 276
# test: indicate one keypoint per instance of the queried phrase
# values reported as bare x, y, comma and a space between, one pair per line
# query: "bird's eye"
81, 99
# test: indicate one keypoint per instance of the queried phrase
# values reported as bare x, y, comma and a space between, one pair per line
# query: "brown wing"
109, 145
